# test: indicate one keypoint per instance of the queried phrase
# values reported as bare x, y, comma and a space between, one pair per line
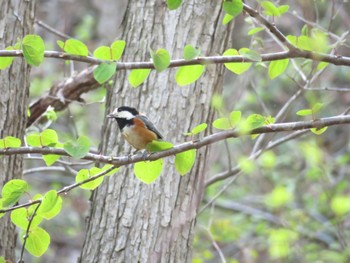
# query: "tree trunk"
131, 221
16, 20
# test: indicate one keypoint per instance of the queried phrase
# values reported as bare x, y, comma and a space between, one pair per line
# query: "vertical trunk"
16, 20
131, 221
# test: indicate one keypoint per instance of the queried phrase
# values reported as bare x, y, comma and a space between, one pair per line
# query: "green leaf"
304, 112
256, 121
157, 146
117, 49
235, 117
147, 172
184, 161
103, 52
173, 4
191, 52
38, 241
104, 72
138, 76
246, 165
85, 174
12, 191
250, 54
268, 160
106, 167
50, 158
51, 205
10, 142
278, 197
186, 75
233, 7
317, 107
280, 242
79, 148
50, 114
318, 131
20, 217
340, 205
239, 67
277, 67
255, 30
269, 8
2, 260
283, 9
161, 59
60, 43
75, 47
49, 137
227, 19
199, 128
322, 65
222, 124
34, 140
33, 49
6, 61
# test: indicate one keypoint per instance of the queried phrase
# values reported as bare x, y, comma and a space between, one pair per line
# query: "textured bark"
131, 221
16, 20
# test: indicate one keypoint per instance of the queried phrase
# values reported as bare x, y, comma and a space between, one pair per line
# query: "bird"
135, 127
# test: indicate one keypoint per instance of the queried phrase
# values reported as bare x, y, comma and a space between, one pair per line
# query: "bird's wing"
150, 125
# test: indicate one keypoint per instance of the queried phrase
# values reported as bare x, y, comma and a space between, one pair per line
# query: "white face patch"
123, 114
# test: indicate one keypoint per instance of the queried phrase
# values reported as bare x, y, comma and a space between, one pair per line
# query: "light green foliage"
157, 146
47, 137
268, 160
73, 47
184, 161
51, 205
280, 241
79, 148
103, 52
50, 114
228, 123
138, 76
191, 52
237, 68
322, 65
33, 49
279, 196
20, 217
315, 108
85, 174
38, 241
271, 10
10, 142
255, 30
317, 42
161, 59
12, 191
227, 19
186, 75
198, 129
106, 167
114, 52
250, 54
147, 172
233, 7
2, 260
6, 61
277, 67
246, 165
318, 131
313, 154
340, 205
173, 4
104, 72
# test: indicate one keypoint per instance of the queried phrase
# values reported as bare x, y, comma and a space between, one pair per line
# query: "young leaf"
50, 206
237, 68
104, 72
79, 148
117, 49
34, 140
147, 172
283, 9
161, 59
256, 121
6, 61
33, 49
340, 205
233, 7
318, 131
322, 65
12, 191
138, 76
246, 165
277, 67
184, 161
235, 117
103, 52
75, 47
50, 158
278, 197
20, 217
222, 124
227, 19
304, 112
186, 75
38, 241
10, 142
250, 54
157, 146
255, 30
270, 8
191, 52
49, 137
199, 128
85, 174
173, 4
106, 167
317, 107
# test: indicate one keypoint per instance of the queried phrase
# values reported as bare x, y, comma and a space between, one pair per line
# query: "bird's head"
123, 112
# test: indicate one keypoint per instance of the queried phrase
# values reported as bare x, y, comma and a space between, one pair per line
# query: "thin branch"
52, 30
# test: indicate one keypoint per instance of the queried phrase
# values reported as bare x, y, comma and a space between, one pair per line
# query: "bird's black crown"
129, 109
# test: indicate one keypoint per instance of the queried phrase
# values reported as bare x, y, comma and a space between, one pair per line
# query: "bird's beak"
110, 116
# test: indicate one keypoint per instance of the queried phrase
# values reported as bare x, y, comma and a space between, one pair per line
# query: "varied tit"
136, 128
